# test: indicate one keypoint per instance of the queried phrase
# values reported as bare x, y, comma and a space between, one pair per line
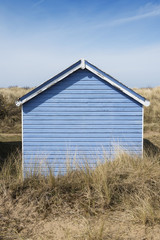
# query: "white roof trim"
83, 65
18, 103
145, 103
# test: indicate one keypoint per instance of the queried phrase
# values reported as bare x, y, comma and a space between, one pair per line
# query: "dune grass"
151, 114
10, 115
127, 185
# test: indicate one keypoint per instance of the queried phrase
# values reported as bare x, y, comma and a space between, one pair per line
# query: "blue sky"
40, 38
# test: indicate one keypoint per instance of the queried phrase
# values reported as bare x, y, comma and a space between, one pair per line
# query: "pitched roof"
82, 64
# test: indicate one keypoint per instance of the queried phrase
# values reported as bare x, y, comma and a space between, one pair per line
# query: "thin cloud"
36, 4
152, 13
147, 11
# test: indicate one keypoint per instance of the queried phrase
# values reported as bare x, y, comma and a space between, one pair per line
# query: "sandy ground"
19, 221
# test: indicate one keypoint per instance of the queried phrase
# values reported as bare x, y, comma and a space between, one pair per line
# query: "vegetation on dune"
10, 115
128, 185
151, 113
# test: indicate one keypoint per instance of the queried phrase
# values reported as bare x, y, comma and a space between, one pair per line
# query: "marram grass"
127, 183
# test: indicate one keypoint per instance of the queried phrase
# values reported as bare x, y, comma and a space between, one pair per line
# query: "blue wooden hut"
80, 113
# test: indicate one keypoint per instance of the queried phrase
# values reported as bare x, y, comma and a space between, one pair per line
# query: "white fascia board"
142, 129
83, 64
22, 142
145, 103
18, 103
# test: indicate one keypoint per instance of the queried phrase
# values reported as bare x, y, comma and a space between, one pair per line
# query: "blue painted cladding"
80, 116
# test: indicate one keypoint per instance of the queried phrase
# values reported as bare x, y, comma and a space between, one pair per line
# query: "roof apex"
83, 63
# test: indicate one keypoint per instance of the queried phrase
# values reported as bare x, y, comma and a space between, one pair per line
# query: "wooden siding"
81, 117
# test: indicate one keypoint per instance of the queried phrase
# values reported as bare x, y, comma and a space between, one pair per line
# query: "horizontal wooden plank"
49, 152
71, 83
91, 139
82, 135
81, 109
81, 100
91, 147
59, 162
80, 163
82, 118
82, 85
45, 172
74, 141
31, 169
55, 168
81, 122
81, 91
84, 126
58, 168
49, 155
85, 114
84, 95
78, 78
84, 130
62, 164
85, 104
28, 169
82, 77
60, 158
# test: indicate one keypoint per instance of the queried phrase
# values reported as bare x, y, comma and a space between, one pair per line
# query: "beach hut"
82, 114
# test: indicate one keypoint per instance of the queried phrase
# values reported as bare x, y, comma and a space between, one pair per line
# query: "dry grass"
13, 93
10, 115
151, 114
109, 202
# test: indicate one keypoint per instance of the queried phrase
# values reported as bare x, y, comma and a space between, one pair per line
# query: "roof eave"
146, 103
18, 103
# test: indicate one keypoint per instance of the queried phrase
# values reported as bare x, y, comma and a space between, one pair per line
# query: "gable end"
82, 64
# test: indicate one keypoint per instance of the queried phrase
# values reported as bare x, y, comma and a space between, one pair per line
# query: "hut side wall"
81, 117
